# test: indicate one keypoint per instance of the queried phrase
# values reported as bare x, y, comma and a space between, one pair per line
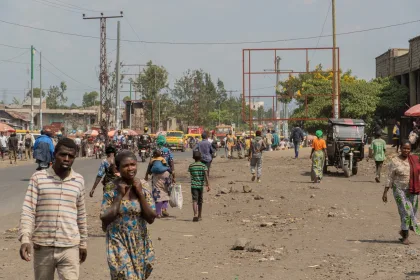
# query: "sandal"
165, 214
195, 219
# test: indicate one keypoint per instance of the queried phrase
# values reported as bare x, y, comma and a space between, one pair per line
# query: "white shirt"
78, 141
3, 141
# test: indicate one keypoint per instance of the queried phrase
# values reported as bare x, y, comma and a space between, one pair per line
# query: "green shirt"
378, 147
198, 174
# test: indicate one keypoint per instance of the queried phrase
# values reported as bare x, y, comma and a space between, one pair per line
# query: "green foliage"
36, 93
90, 99
56, 97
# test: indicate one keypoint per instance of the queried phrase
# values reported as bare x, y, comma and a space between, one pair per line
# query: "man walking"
3, 145
297, 138
269, 138
377, 152
13, 147
44, 149
54, 218
255, 156
206, 150
28, 145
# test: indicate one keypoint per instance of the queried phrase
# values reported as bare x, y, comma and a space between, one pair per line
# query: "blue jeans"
296, 146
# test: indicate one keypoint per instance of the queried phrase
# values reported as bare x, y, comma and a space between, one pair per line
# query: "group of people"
15, 148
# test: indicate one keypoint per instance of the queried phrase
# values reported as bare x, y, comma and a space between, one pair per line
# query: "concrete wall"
401, 64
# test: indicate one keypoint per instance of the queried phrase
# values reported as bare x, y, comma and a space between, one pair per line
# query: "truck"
175, 140
222, 130
195, 129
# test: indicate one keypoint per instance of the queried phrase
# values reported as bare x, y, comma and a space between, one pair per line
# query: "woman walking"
403, 178
318, 156
126, 210
162, 182
107, 170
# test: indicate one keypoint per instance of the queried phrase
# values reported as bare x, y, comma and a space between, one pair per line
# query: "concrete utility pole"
277, 97
32, 88
117, 101
40, 91
335, 70
131, 104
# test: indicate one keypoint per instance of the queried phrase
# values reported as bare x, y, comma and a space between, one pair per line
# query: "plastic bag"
176, 199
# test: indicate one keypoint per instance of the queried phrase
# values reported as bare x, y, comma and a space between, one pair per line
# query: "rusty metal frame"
248, 73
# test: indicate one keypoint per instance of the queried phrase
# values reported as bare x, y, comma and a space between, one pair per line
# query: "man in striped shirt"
54, 217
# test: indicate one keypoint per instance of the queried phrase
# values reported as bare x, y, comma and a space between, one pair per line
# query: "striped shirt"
198, 171
53, 212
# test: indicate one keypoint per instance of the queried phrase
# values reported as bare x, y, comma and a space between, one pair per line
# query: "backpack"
412, 138
28, 142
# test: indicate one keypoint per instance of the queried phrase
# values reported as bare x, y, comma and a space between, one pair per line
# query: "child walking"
198, 171
377, 152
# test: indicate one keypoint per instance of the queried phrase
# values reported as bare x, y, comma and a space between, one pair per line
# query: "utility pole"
40, 91
117, 117
131, 104
32, 89
277, 97
335, 70
105, 101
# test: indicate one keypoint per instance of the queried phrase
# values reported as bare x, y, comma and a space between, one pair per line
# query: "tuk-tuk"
345, 144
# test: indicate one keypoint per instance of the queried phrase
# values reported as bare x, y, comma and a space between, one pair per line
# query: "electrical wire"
53, 5
65, 73
11, 59
322, 30
215, 43
14, 47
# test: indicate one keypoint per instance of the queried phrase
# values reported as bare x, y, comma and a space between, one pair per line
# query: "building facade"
404, 65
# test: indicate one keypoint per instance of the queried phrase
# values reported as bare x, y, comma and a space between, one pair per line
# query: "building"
256, 104
17, 120
72, 119
404, 65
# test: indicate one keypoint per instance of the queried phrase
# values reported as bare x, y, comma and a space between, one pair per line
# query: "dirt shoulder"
339, 229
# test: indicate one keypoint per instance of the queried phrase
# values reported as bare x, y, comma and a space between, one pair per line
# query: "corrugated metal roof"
20, 116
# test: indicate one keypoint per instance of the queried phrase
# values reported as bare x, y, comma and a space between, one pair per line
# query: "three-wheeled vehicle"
345, 144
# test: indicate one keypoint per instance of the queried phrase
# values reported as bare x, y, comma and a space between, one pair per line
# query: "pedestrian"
403, 178
107, 170
13, 147
3, 144
126, 210
199, 177
396, 135
377, 152
276, 140
247, 144
230, 142
206, 150
413, 137
297, 138
54, 218
318, 157
21, 151
269, 139
44, 149
255, 156
28, 145
162, 182
78, 142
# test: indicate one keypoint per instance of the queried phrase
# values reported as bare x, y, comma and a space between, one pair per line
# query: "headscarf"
318, 133
161, 140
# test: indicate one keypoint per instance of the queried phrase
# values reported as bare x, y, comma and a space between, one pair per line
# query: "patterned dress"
129, 249
407, 203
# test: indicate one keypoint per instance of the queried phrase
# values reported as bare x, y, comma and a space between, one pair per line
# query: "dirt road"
339, 229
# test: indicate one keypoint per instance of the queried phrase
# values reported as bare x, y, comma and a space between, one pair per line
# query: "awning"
6, 128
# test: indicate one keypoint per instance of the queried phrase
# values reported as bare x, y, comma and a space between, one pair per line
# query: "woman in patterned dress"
161, 183
126, 209
403, 179
318, 156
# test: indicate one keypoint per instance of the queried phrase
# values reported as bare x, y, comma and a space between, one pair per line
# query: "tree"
56, 97
126, 98
393, 98
15, 101
73, 106
90, 99
36, 93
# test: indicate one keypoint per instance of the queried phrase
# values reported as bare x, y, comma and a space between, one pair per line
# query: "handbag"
176, 199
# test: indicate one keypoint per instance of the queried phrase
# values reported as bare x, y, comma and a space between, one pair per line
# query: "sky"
195, 21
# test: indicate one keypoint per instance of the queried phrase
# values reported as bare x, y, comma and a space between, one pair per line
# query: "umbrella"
92, 132
413, 111
111, 133
129, 132
6, 128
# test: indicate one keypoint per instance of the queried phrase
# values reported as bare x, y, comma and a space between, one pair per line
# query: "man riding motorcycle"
145, 142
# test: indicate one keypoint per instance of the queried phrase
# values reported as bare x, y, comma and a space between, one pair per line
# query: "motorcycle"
97, 150
144, 153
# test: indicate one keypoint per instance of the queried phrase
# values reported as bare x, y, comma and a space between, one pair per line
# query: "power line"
65, 73
216, 43
54, 5
14, 47
10, 59
322, 30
